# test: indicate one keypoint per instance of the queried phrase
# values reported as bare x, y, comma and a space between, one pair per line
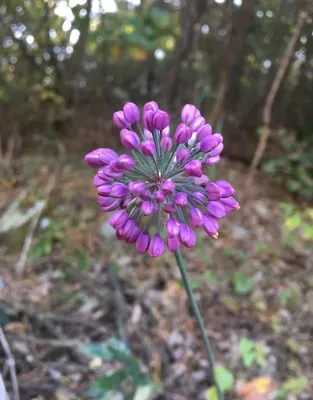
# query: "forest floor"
79, 285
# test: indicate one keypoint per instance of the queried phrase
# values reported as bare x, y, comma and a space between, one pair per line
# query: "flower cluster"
161, 184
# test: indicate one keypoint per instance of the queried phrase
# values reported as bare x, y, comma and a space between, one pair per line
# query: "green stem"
199, 319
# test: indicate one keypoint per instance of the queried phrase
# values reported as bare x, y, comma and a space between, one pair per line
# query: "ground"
254, 286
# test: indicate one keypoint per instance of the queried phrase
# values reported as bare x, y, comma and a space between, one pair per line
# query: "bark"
238, 25
267, 110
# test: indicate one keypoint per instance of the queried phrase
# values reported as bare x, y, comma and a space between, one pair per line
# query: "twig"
3, 393
20, 266
267, 111
11, 364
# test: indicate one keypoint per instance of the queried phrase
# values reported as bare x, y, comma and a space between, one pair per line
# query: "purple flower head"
129, 139
131, 113
120, 121
182, 134
161, 181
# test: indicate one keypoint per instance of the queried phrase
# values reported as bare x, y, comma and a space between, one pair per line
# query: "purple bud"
161, 120
201, 181
210, 225
159, 196
105, 201
181, 199
213, 191
111, 207
108, 171
104, 190
127, 229
142, 243
168, 187
166, 144
97, 181
116, 167
120, 120
230, 204
169, 208
172, 227
119, 190
212, 160
204, 131
173, 243
134, 235
216, 209
218, 135
129, 139
182, 155
198, 197
197, 123
146, 195
209, 143
148, 134
188, 113
226, 188
118, 219
147, 207
182, 134
131, 112
196, 217
187, 235
147, 148
147, 119
139, 201
126, 201
217, 151
102, 175
166, 132
156, 246
98, 158
126, 162
136, 188
151, 106
193, 168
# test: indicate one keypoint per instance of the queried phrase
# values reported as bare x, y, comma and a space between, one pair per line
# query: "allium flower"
162, 182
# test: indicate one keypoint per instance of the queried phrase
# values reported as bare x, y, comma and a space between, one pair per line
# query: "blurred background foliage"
59, 56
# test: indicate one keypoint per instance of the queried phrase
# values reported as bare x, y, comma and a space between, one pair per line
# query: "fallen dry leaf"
257, 389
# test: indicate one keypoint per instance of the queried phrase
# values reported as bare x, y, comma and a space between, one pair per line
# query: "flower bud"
173, 243
188, 113
212, 160
147, 207
187, 235
148, 135
216, 209
182, 155
166, 131
230, 204
197, 123
213, 191
210, 225
161, 120
159, 196
134, 235
217, 151
204, 131
118, 219
104, 190
108, 171
147, 119
120, 121
98, 158
198, 198
172, 227
131, 112
209, 143
182, 134
142, 243
156, 246
136, 188
226, 188
169, 208
201, 181
119, 190
126, 201
102, 175
97, 181
146, 195
129, 139
147, 148
196, 217
151, 106
168, 187
126, 162
193, 168
166, 144
105, 201
181, 199
114, 206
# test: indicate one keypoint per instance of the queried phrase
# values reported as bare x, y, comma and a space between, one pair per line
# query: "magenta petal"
118, 219
156, 246
142, 243
172, 227
216, 209
210, 225
213, 191
173, 243
196, 217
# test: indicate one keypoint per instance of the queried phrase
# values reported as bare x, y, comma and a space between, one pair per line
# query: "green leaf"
294, 386
243, 285
111, 350
211, 393
146, 392
224, 378
248, 353
210, 276
106, 383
